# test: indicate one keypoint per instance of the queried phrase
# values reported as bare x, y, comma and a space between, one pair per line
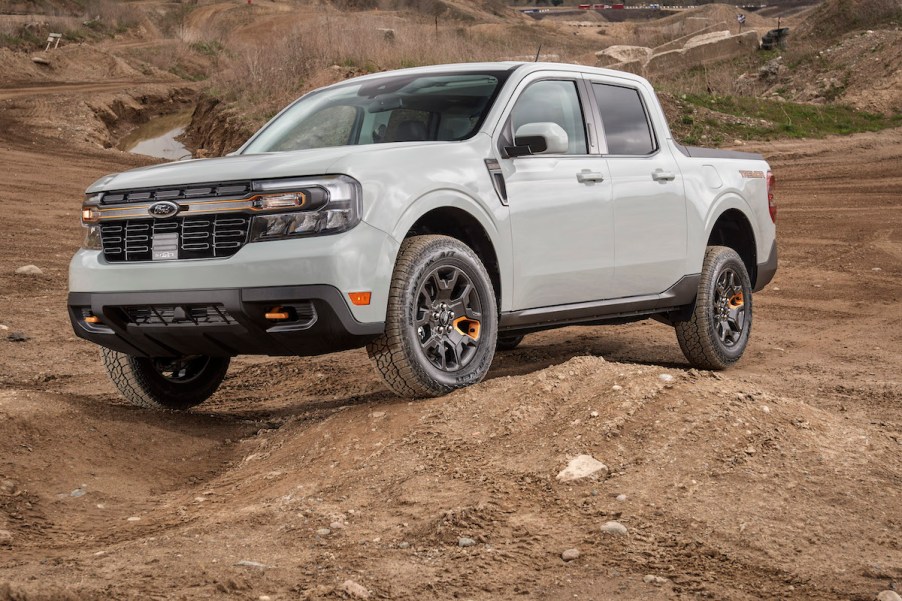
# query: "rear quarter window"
625, 121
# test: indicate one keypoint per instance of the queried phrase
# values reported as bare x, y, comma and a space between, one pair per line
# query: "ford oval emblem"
162, 210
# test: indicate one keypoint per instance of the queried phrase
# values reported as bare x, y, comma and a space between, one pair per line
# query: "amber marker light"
360, 298
90, 214
92, 319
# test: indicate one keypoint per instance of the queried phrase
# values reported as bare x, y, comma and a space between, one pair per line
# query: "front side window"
556, 102
399, 108
626, 125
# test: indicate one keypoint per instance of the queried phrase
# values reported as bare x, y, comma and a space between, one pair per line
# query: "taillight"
771, 199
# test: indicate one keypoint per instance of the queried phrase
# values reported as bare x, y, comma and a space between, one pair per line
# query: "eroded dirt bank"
780, 479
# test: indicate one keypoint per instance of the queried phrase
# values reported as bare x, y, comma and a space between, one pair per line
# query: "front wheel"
173, 384
717, 331
442, 320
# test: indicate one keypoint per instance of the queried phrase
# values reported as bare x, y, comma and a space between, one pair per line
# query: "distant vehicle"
616, 6
431, 215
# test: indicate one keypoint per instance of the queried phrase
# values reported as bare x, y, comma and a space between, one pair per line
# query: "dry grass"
263, 78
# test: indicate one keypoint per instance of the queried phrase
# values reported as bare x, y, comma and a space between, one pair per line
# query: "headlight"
90, 216
323, 205
92, 238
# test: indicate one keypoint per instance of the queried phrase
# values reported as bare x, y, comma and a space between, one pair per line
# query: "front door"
561, 208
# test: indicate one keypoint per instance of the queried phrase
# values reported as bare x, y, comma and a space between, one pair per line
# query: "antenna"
538, 52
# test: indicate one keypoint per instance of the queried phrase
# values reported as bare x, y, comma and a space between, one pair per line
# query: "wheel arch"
464, 219
463, 226
732, 228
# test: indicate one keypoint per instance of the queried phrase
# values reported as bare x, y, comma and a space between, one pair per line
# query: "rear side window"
556, 102
626, 125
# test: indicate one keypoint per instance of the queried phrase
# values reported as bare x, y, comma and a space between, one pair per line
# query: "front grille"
167, 315
203, 237
194, 191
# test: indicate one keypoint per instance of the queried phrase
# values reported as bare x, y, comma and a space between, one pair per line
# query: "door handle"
587, 177
660, 175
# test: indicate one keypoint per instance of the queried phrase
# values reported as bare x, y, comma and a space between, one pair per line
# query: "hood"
296, 163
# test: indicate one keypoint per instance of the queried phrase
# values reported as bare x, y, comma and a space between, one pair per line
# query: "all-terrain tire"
508, 342
400, 354
710, 338
142, 381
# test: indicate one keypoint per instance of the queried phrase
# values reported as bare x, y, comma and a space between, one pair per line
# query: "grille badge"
162, 210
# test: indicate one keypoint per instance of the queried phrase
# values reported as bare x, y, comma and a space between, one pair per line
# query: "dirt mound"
387, 488
837, 17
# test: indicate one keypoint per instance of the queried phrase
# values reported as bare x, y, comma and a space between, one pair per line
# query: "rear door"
650, 231
560, 204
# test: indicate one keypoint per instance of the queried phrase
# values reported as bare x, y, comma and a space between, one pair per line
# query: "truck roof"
519, 66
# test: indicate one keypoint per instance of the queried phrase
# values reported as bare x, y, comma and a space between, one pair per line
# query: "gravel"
355, 590
29, 270
581, 466
570, 554
615, 528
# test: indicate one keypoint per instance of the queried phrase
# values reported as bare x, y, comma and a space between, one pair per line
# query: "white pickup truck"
431, 215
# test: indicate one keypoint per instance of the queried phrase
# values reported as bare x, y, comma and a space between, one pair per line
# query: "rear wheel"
509, 342
170, 384
717, 332
441, 322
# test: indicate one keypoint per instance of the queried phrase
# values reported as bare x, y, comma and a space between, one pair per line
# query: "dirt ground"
778, 479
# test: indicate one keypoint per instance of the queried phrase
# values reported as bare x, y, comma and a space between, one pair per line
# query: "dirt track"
781, 478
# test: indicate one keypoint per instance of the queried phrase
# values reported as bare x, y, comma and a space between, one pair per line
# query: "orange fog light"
360, 298
92, 319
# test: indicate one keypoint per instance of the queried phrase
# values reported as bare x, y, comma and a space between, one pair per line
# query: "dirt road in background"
779, 479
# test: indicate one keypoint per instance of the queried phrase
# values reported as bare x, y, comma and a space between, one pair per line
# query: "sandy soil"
778, 479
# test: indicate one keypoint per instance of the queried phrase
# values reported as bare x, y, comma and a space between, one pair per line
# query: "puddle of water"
157, 137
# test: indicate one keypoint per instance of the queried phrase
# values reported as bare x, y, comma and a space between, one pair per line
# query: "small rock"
655, 580
750, 450
615, 528
323, 532
3, 328
78, 492
876, 269
665, 378
377, 414
621, 498
355, 590
570, 554
404, 545
594, 414
581, 466
40, 60
264, 598
244, 563
29, 270
133, 519
465, 542
8, 487
337, 525
888, 595
6, 537
18, 337
616, 387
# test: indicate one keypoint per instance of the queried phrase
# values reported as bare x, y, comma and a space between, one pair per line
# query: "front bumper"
220, 322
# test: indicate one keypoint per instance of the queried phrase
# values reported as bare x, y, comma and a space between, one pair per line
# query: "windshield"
400, 108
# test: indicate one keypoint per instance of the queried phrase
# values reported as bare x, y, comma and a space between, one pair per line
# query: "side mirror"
539, 138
